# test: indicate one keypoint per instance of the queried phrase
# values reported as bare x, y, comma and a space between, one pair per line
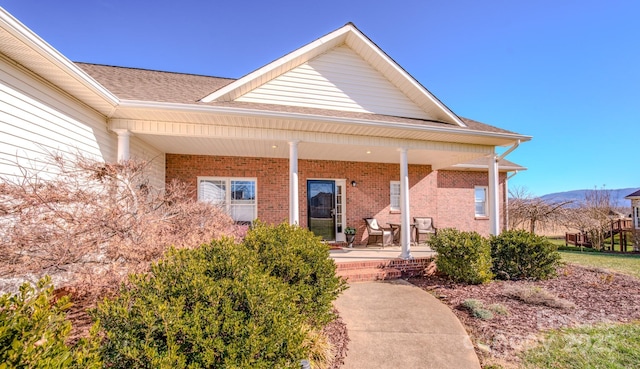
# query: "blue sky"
565, 72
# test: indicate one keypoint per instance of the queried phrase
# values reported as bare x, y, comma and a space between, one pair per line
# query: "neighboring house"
336, 123
635, 208
635, 216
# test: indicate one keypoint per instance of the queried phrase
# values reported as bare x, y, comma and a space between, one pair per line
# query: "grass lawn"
602, 346
627, 264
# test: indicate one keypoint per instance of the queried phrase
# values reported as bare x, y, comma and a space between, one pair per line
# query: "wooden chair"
384, 235
424, 228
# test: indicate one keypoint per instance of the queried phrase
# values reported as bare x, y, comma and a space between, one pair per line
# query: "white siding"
337, 80
36, 118
155, 170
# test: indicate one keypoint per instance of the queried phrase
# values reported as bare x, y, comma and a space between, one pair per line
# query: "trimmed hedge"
463, 256
518, 254
33, 330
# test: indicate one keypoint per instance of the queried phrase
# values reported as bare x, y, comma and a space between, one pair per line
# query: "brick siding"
447, 196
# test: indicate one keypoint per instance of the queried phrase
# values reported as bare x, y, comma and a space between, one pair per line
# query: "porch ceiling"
225, 131
437, 157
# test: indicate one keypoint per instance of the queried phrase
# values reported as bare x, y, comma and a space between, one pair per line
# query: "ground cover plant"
580, 295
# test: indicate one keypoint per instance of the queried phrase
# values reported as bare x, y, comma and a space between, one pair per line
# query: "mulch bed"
599, 296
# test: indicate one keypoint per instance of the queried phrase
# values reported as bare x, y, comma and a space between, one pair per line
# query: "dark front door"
321, 211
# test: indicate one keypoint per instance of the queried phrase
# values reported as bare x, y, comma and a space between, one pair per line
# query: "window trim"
485, 202
391, 184
227, 202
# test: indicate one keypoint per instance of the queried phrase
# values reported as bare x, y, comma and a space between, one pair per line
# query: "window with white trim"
394, 195
481, 205
236, 195
636, 217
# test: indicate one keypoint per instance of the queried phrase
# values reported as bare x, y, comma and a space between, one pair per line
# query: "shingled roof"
170, 87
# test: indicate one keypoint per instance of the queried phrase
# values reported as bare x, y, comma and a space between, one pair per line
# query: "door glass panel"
339, 197
321, 208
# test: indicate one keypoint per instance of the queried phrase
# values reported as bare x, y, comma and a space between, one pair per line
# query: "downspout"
506, 200
515, 146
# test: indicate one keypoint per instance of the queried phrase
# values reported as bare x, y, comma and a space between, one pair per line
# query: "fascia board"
42, 48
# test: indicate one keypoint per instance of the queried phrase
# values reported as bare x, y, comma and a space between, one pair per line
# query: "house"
328, 134
635, 217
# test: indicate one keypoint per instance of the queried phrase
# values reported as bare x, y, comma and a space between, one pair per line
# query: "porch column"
123, 144
405, 229
294, 209
494, 208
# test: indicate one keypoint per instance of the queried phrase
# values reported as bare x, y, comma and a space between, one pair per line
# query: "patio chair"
424, 228
380, 234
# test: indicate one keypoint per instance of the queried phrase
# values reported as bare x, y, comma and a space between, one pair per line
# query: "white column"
405, 229
294, 209
494, 204
123, 144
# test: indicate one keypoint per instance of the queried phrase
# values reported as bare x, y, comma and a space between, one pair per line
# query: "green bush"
33, 330
298, 257
213, 306
463, 256
518, 254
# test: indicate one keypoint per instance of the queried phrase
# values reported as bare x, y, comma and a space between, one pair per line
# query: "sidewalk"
397, 325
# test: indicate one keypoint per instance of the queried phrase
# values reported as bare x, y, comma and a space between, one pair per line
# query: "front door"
321, 208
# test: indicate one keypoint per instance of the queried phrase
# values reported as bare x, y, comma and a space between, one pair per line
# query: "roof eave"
75, 76
508, 138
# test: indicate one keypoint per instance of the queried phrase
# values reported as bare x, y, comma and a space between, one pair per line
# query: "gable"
337, 80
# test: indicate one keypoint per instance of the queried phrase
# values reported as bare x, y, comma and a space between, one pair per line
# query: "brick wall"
447, 196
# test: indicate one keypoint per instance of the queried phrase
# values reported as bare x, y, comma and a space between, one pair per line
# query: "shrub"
534, 295
478, 310
213, 306
518, 254
298, 257
80, 211
463, 256
33, 330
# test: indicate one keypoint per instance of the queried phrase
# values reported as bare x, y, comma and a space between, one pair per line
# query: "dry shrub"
77, 215
321, 351
535, 295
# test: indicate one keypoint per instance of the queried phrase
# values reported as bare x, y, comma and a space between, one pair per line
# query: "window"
394, 196
236, 195
637, 216
481, 201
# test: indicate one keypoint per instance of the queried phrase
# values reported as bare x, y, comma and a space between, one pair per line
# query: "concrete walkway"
397, 325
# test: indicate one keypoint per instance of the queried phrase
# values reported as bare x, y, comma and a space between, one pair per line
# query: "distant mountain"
617, 196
